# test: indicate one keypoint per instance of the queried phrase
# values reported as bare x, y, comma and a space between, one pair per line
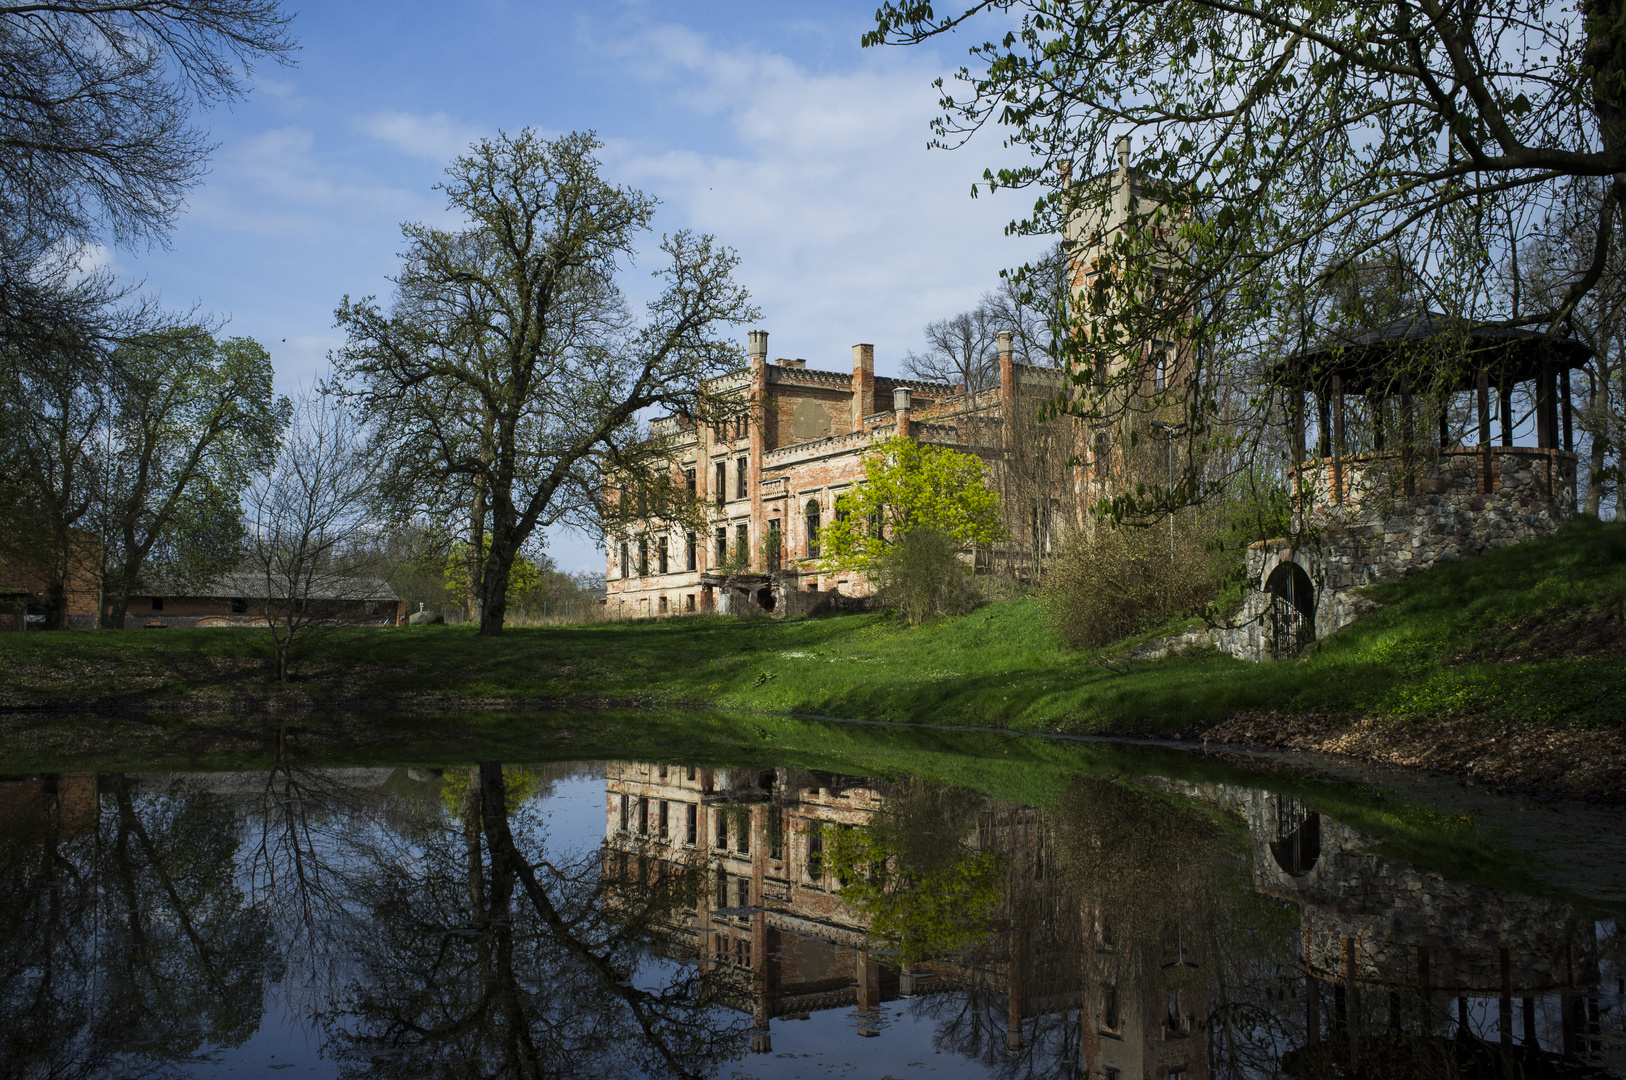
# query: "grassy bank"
1531, 635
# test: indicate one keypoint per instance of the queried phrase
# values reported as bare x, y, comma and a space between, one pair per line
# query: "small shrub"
922, 576
1114, 582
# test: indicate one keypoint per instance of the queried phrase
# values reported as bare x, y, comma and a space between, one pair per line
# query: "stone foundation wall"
1378, 533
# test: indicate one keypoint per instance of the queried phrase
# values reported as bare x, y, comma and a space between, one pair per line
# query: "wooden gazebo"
1445, 356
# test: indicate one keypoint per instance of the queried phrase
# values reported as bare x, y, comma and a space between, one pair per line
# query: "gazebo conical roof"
1370, 360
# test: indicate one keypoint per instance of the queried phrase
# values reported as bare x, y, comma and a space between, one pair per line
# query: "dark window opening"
688, 478
693, 823
771, 547
643, 817
238, 605
742, 543
158, 603
664, 817
812, 514
643, 556
626, 806
721, 487
742, 478
720, 840
815, 853
626, 566
722, 545
693, 555
660, 554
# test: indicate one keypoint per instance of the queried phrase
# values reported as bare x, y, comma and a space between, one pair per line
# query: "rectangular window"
815, 853
771, 547
239, 606
722, 888
158, 603
722, 545
626, 566
665, 811
688, 478
742, 543
626, 802
776, 833
691, 773
742, 478
1110, 1019
643, 556
693, 556
688, 603
693, 823
660, 555
742, 838
720, 832
720, 488
643, 817
742, 892
662, 607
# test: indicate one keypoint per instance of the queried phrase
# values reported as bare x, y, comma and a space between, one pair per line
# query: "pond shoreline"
1545, 761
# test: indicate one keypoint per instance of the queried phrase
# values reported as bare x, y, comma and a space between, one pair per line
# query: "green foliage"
914, 873
190, 422
922, 576
909, 485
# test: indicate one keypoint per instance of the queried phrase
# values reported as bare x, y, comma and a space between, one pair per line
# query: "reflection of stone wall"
1392, 910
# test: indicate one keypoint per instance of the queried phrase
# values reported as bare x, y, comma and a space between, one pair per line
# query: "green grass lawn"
1441, 644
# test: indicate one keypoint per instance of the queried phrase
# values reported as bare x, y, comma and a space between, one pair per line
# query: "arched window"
812, 514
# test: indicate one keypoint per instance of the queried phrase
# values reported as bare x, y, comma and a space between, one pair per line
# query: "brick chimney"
1007, 373
902, 403
863, 384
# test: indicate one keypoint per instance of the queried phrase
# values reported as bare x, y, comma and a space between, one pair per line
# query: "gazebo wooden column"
1544, 409
1564, 404
1409, 477
1337, 438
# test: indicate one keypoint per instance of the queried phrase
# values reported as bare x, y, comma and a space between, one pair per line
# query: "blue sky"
764, 124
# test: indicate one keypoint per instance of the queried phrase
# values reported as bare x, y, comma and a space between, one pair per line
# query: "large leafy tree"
911, 486
1275, 145
189, 422
509, 368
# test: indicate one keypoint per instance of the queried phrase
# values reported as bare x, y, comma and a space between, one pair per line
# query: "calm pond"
776, 919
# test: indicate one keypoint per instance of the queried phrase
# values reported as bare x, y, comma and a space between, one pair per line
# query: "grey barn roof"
249, 585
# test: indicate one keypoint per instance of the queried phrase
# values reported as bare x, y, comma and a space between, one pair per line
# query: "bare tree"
94, 115
1550, 266
959, 350
307, 520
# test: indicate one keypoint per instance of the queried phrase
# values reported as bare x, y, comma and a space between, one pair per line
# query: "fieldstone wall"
1378, 532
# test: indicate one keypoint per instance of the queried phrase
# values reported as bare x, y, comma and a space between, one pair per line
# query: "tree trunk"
117, 607
494, 586
475, 559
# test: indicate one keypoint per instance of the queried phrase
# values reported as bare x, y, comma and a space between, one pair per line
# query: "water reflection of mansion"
772, 922
1400, 961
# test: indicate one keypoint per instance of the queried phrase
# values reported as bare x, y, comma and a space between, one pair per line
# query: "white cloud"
849, 228
436, 136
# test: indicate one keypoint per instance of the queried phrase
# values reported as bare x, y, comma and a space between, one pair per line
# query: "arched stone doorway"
1292, 609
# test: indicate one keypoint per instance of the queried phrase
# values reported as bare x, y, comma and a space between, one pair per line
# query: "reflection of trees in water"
1176, 928
481, 953
131, 945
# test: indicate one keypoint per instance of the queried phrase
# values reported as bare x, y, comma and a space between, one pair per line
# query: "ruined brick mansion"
771, 479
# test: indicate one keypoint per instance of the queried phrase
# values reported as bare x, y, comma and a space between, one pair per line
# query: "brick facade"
802, 446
